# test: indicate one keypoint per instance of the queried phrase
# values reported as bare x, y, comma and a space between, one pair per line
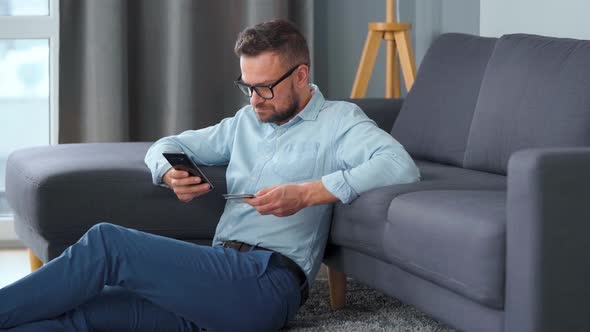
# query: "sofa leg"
337, 284
34, 261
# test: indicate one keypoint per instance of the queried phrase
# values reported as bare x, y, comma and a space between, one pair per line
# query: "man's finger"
191, 180
264, 196
176, 174
274, 209
186, 198
266, 208
265, 191
261, 209
193, 189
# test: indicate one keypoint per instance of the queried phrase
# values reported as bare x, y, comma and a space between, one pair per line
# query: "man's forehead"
262, 68
263, 57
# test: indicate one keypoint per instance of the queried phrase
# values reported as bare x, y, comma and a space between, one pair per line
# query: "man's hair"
278, 36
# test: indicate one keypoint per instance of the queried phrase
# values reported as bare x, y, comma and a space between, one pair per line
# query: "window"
24, 7
29, 40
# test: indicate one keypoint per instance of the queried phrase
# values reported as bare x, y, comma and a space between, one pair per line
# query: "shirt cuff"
161, 168
336, 184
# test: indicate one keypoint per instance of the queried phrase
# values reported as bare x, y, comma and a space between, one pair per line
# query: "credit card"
238, 196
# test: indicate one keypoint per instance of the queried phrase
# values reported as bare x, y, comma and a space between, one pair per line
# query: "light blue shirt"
329, 140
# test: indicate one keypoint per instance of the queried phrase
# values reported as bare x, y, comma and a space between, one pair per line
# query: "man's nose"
255, 99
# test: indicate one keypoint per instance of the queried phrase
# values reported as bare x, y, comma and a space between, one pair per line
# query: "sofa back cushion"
434, 121
535, 93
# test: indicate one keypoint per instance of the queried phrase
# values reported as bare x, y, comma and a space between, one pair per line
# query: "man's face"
265, 69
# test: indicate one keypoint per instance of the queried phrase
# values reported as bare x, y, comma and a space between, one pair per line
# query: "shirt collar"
311, 110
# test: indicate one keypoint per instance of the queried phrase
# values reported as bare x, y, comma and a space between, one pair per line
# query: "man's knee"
106, 232
105, 228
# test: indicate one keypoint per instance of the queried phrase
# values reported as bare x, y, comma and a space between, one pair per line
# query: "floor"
14, 264
367, 309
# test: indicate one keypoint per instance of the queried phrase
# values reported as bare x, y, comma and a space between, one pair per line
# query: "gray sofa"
494, 238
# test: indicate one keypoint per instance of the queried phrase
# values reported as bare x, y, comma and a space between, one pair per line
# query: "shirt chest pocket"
296, 161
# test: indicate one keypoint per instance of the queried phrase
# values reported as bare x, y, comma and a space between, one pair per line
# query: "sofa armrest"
548, 240
58, 192
384, 111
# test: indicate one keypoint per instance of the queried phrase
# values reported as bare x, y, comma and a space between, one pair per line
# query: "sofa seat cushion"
58, 192
360, 225
453, 238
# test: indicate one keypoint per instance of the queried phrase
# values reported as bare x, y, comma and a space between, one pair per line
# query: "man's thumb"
265, 191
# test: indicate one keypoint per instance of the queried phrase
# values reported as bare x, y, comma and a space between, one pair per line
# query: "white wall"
557, 18
433, 18
460, 16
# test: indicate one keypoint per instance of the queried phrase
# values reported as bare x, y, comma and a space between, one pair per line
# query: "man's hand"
288, 199
185, 187
281, 201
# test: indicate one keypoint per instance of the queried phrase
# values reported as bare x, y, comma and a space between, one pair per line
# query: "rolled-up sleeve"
336, 184
367, 158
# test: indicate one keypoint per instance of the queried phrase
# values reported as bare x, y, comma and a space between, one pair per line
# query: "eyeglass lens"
262, 91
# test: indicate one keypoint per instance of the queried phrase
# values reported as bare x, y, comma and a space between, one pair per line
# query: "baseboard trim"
12, 244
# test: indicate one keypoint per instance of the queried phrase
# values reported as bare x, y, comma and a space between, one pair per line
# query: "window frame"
35, 27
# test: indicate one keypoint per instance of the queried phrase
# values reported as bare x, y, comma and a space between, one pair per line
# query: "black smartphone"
180, 161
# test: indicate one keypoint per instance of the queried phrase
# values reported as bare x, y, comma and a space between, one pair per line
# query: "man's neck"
305, 97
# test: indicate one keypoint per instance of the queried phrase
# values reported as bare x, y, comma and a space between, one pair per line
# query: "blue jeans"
119, 279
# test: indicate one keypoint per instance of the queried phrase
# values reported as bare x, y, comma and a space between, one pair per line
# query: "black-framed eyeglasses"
263, 90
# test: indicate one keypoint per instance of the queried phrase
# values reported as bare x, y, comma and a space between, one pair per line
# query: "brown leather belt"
283, 260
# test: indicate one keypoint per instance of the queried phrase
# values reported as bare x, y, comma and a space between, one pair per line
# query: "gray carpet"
366, 310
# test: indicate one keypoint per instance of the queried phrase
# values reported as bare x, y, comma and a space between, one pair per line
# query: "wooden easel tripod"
397, 37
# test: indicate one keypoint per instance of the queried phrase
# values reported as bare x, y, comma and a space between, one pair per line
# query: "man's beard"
280, 116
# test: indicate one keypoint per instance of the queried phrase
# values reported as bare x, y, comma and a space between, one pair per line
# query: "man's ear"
303, 75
